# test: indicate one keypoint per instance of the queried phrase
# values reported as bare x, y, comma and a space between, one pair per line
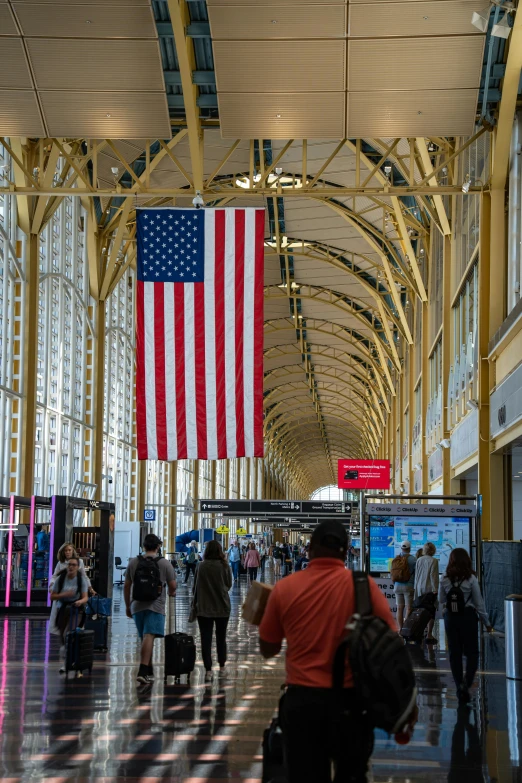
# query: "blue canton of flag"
171, 245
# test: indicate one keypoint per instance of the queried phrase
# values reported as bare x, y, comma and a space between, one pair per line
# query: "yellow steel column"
484, 465
425, 393
173, 499
98, 402
28, 414
447, 264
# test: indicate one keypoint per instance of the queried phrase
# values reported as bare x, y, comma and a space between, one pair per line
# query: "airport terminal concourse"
261, 391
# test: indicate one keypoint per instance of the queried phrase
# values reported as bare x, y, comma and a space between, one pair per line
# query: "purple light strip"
51, 547
32, 516
10, 551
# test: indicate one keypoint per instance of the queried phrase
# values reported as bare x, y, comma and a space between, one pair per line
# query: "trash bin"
513, 615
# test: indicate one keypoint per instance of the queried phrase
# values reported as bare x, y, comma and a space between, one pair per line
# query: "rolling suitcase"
414, 627
79, 649
97, 620
180, 653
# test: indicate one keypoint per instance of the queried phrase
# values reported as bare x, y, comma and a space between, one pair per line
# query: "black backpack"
147, 584
382, 672
455, 601
61, 581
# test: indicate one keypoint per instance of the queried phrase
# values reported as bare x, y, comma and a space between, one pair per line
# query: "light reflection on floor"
102, 728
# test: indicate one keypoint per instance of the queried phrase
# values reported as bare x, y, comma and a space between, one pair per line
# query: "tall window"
66, 348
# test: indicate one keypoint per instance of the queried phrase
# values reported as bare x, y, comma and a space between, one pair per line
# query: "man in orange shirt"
310, 610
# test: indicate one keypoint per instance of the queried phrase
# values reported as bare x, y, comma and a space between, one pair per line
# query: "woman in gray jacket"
212, 603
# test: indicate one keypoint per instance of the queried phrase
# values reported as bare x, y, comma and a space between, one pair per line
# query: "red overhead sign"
363, 474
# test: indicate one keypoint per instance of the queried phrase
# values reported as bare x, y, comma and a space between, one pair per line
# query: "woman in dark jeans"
462, 626
212, 602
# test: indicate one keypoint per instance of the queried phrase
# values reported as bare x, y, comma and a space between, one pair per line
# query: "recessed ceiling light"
274, 21
419, 112
425, 17
108, 115
88, 21
278, 116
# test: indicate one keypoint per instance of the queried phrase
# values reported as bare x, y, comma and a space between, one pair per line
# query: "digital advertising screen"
388, 533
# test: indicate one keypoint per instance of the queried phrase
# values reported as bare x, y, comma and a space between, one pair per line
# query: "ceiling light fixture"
387, 169
107, 115
502, 29
273, 21
278, 116
466, 184
480, 19
278, 170
115, 170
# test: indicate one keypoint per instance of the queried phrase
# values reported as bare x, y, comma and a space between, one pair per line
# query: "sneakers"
145, 674
208, 676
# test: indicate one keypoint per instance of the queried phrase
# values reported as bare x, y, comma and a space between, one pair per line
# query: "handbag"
193, 613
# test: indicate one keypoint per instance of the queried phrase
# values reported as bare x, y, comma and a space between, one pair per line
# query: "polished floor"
101, 728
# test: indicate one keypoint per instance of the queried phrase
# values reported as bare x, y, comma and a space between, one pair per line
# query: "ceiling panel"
7, 24
19, 114
440, 17
280, 66
14, 71
386, 64
255, 116
412, 113
125, 115
271, 22
84, 21
77, 64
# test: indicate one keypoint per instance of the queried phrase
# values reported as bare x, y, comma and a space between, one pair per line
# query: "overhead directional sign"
325, 507
268, 508
230, 507
275, 506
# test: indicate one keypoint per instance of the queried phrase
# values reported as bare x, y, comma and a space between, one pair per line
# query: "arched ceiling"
348, 220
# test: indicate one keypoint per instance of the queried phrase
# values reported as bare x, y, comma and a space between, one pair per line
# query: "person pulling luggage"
403, 575
70, 591
427, 583
145, 598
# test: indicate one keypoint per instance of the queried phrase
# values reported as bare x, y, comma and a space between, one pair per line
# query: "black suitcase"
79, 649
99, 625
273, 765
180, 655
414, 627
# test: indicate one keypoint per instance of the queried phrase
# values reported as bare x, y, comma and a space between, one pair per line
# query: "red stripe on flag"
201, 386
219, 288
141, 407
258, 333
179, 345
159, 367
240, 316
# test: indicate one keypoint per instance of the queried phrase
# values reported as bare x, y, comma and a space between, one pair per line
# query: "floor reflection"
101, 727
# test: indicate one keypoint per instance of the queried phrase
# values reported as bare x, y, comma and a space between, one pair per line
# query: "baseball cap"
406, 546
330, 534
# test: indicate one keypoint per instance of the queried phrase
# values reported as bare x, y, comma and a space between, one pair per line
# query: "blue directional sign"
149, 515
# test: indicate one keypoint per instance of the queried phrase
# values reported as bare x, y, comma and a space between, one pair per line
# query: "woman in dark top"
212, 603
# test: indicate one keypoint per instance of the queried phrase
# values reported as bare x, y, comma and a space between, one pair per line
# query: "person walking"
212, 604
427, 581
277, 556
234, 559
146, 579
262, 557
459, 593
70, 591
310, 609
191, 561
403, 574
252, 561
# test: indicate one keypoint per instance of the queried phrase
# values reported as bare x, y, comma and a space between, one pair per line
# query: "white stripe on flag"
230, 330
248, 331
150, 376
210, 332
190, 374
170, 372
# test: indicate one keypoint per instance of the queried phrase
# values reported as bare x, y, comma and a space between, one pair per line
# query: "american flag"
199, 333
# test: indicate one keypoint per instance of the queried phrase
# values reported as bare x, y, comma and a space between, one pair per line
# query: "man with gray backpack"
191, 561
146, 580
